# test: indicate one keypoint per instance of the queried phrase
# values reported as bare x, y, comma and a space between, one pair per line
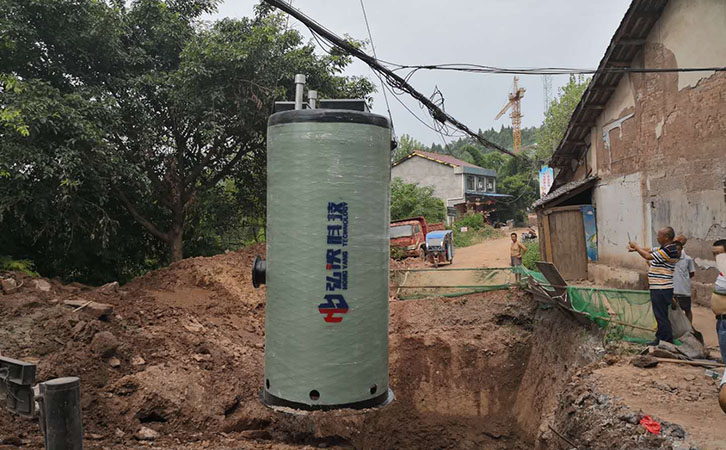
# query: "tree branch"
141, 219
228, 167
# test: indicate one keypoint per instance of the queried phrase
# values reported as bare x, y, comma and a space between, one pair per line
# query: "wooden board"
567, 238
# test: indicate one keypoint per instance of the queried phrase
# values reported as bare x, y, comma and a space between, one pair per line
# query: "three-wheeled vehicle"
440, 247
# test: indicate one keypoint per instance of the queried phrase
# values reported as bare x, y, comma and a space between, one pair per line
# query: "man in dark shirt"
662, 261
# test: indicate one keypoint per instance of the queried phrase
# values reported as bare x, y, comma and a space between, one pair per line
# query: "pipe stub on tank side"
259, 267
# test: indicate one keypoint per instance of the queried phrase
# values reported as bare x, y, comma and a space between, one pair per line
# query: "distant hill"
502, 137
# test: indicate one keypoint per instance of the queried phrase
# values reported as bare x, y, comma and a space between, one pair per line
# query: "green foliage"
18, 265
410, 200
397, 253
532, 255
473, 235
558, 116
123, 124
406, 145
472, 221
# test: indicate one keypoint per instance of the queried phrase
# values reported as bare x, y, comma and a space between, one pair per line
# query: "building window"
469, 183
480, 184
490, 184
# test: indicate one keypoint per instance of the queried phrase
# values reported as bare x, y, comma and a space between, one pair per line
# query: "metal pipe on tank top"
313, 99
299, 86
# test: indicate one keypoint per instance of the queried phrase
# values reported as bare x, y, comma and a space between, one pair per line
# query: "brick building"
645, 150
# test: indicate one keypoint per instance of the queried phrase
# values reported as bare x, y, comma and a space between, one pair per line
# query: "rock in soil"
98, 310
109, 288
104, 344
644, 361
146, 434
8, 285
42, 285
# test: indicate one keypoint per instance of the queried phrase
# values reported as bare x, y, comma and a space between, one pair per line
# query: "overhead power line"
373, 47
479, 68
392, 78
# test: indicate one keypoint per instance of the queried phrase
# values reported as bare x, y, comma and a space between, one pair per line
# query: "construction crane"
515, 99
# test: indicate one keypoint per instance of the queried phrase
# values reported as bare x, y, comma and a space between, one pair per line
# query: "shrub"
532, 255
18, 265
412, 200
473, 236
472, 221
397, 253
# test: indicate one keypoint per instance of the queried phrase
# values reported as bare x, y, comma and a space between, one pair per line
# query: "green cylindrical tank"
327, 263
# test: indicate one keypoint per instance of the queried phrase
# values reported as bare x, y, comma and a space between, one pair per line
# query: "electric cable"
373, 47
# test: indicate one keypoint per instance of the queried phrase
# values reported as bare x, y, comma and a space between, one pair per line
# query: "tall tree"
407, 145
118, 117
558, 116
139, 111
412, 200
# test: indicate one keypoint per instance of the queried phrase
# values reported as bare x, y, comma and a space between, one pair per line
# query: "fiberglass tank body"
327, 268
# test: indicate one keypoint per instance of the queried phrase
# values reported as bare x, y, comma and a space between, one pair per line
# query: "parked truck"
410, 235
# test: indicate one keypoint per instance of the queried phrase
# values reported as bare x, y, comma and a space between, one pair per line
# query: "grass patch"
18, 265
473, 236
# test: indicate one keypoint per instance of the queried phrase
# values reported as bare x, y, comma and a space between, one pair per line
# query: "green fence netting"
628, 312
412, 284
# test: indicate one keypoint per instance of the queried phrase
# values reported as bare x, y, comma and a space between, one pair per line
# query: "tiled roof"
444, 159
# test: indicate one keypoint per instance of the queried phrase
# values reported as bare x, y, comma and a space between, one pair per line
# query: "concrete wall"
659, 145
425, 172
618, 204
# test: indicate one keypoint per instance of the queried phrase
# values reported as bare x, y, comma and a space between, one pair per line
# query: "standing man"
685, 270
516, 252
663, 261
718, 299
718, 305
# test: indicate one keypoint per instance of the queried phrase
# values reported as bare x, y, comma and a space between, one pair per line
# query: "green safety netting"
420, 283
537, 276
628, 312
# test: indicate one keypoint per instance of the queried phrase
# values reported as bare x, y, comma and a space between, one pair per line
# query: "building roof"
444, 159
624, 46
564, 192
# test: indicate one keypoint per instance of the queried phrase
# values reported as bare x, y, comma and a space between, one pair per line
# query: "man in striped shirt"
662, 261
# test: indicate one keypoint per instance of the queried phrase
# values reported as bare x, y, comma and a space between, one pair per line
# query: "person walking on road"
663, 261
516, 253
685, 270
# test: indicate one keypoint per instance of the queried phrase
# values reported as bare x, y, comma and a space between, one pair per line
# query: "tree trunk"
176, 246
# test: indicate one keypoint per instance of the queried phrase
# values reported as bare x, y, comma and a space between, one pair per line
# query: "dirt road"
490, 253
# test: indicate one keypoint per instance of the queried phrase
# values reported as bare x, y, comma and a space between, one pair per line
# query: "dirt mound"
190, 340
182, 354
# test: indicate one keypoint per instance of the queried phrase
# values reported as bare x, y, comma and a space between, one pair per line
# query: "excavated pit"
481, 371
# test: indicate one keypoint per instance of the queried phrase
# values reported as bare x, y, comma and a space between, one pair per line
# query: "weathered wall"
662, 159
619, 206
425, 172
